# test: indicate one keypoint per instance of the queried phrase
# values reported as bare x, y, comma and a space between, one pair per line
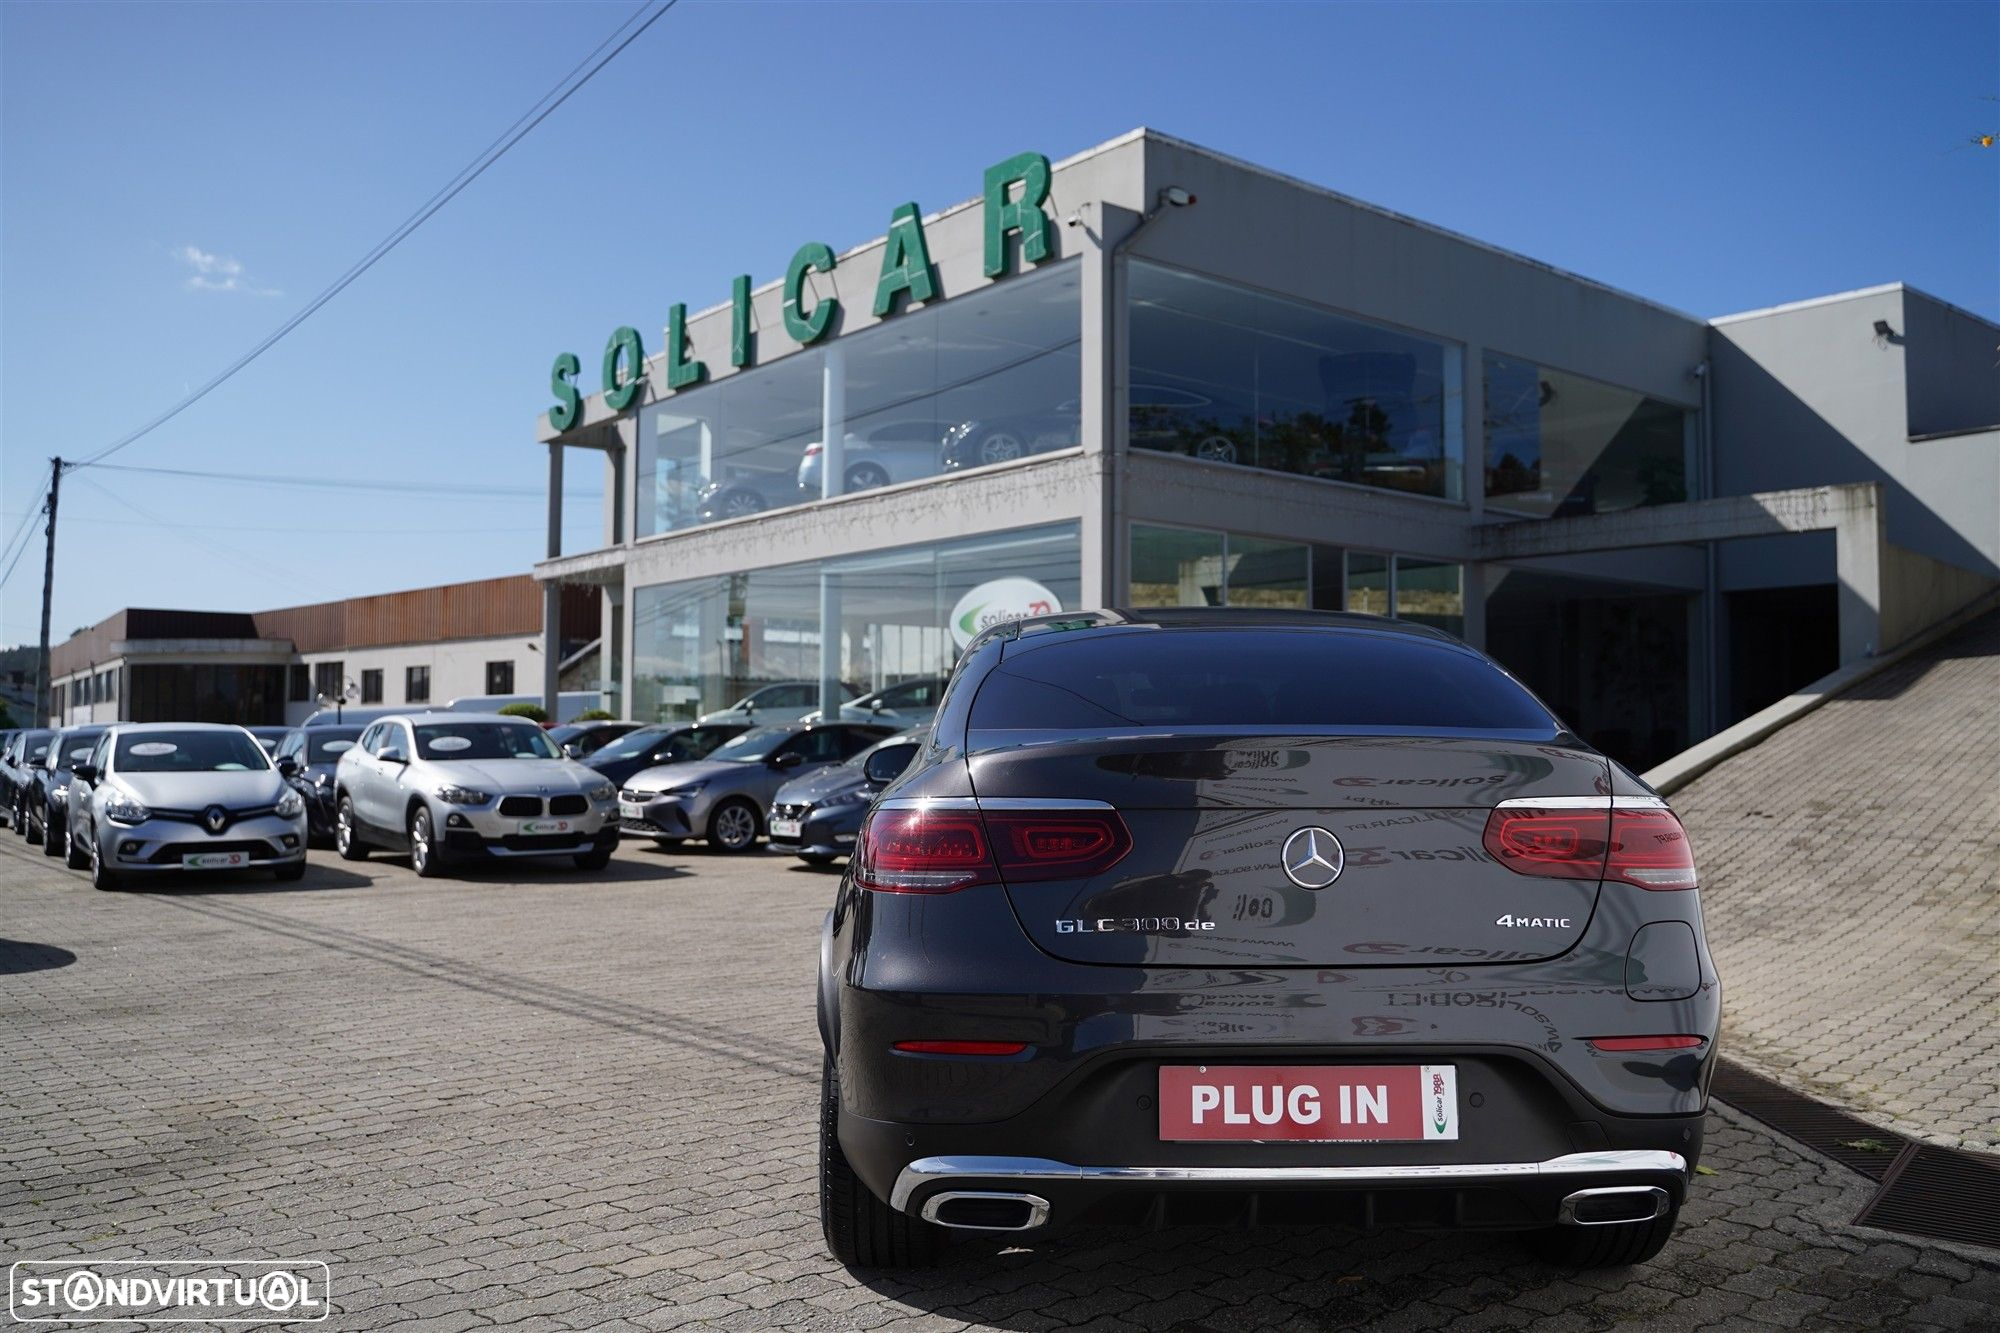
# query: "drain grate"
1853, 1143
1943, 1193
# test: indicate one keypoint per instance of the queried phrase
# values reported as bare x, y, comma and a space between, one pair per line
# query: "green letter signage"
739, 321
808, 326
906, 262
625, 346
562, 382
681, 372
1025, 215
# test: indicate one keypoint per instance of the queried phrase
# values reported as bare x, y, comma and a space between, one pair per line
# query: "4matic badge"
1546, 922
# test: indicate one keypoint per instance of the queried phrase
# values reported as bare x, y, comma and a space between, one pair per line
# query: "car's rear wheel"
75, 855
101, 875
52, 838
866, 476
424, 856
862, 1231
1217, 449
1606, 1246
733, 826
595, 859
347, 833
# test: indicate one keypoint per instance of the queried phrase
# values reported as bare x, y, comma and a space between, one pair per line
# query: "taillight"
1672, 1043
922, 851
1650, 848
932, 849
1643, 845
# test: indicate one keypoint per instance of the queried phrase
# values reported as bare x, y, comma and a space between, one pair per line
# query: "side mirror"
885, 766
288, 767
790, 759
85, 773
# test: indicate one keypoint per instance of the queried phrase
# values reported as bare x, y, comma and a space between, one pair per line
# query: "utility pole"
48, 590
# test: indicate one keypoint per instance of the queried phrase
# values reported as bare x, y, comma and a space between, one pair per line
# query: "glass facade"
1232, 375
903, 615
982, 378
1559, 444
1191, 567
203, 692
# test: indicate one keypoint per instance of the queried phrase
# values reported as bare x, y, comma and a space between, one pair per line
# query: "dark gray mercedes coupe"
1205, 916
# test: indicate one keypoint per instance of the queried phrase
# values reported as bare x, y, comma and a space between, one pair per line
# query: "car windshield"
325, 746
635, 743
189, 752
759, 743
483, 740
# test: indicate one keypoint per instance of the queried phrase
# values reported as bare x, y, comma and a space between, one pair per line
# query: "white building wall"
458, 668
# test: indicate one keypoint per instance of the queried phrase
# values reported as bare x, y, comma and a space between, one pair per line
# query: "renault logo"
1312, 858
216, 818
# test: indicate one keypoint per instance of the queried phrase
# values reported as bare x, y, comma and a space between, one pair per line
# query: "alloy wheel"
735, 827
1000, 447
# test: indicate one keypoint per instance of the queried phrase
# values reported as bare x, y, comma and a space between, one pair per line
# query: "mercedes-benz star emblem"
1313, 858
216, 818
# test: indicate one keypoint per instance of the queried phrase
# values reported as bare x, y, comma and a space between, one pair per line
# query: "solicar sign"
996, 602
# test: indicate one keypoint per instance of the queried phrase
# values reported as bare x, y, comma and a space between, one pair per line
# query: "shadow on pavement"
18, 956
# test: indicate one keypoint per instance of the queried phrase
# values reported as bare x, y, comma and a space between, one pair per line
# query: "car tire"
861, 1231
1216, 448
867, 476
595, 859
999, 446
1605, 1247
741, 504
74, 856
733, 826
291, 872
425, 856
52, 838
347, 833
101, 875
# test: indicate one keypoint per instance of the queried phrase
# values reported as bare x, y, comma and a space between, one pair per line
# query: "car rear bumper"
1574, 1189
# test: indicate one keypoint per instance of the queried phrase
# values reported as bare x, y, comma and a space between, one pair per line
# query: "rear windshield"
326, 745
1253, 679
74, 749
483, 740
189, 752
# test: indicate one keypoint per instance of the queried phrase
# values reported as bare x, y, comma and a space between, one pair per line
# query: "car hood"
505, 777
664, 777
195, 791
824, 785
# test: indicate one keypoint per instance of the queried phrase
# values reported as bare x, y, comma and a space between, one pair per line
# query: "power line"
435, 490
21, 536
470, 173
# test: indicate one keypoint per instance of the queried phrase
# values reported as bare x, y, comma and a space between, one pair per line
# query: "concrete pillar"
552, 591
831, 696
1858, 549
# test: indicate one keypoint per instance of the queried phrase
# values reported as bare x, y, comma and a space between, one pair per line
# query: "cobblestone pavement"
554, 1101
1851, 887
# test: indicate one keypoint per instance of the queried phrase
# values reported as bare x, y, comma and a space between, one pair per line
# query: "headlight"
604, 791
844, 799
122, 809
689, 790
291, 805
463, 796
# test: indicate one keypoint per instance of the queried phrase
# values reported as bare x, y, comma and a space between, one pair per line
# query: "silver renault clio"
160, 797
469, 786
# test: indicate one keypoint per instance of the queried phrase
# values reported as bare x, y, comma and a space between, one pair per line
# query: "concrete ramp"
1851, 886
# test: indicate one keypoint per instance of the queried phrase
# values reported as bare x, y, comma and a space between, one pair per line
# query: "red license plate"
1308, 1103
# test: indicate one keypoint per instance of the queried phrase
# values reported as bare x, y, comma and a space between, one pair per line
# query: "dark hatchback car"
315, 754
46, 802
817, 817
1282, 916
649, 747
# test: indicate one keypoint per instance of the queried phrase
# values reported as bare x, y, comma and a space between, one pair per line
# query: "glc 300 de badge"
1312, 858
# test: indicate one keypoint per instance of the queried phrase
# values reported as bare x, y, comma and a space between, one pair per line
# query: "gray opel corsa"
1201, 916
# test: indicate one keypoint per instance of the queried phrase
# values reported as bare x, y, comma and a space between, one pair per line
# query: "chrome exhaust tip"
986, 1210
1613, 1205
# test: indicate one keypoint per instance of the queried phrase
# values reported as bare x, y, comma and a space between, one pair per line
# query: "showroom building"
1153, 375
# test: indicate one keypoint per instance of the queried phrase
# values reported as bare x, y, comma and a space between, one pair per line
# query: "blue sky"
175, 180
